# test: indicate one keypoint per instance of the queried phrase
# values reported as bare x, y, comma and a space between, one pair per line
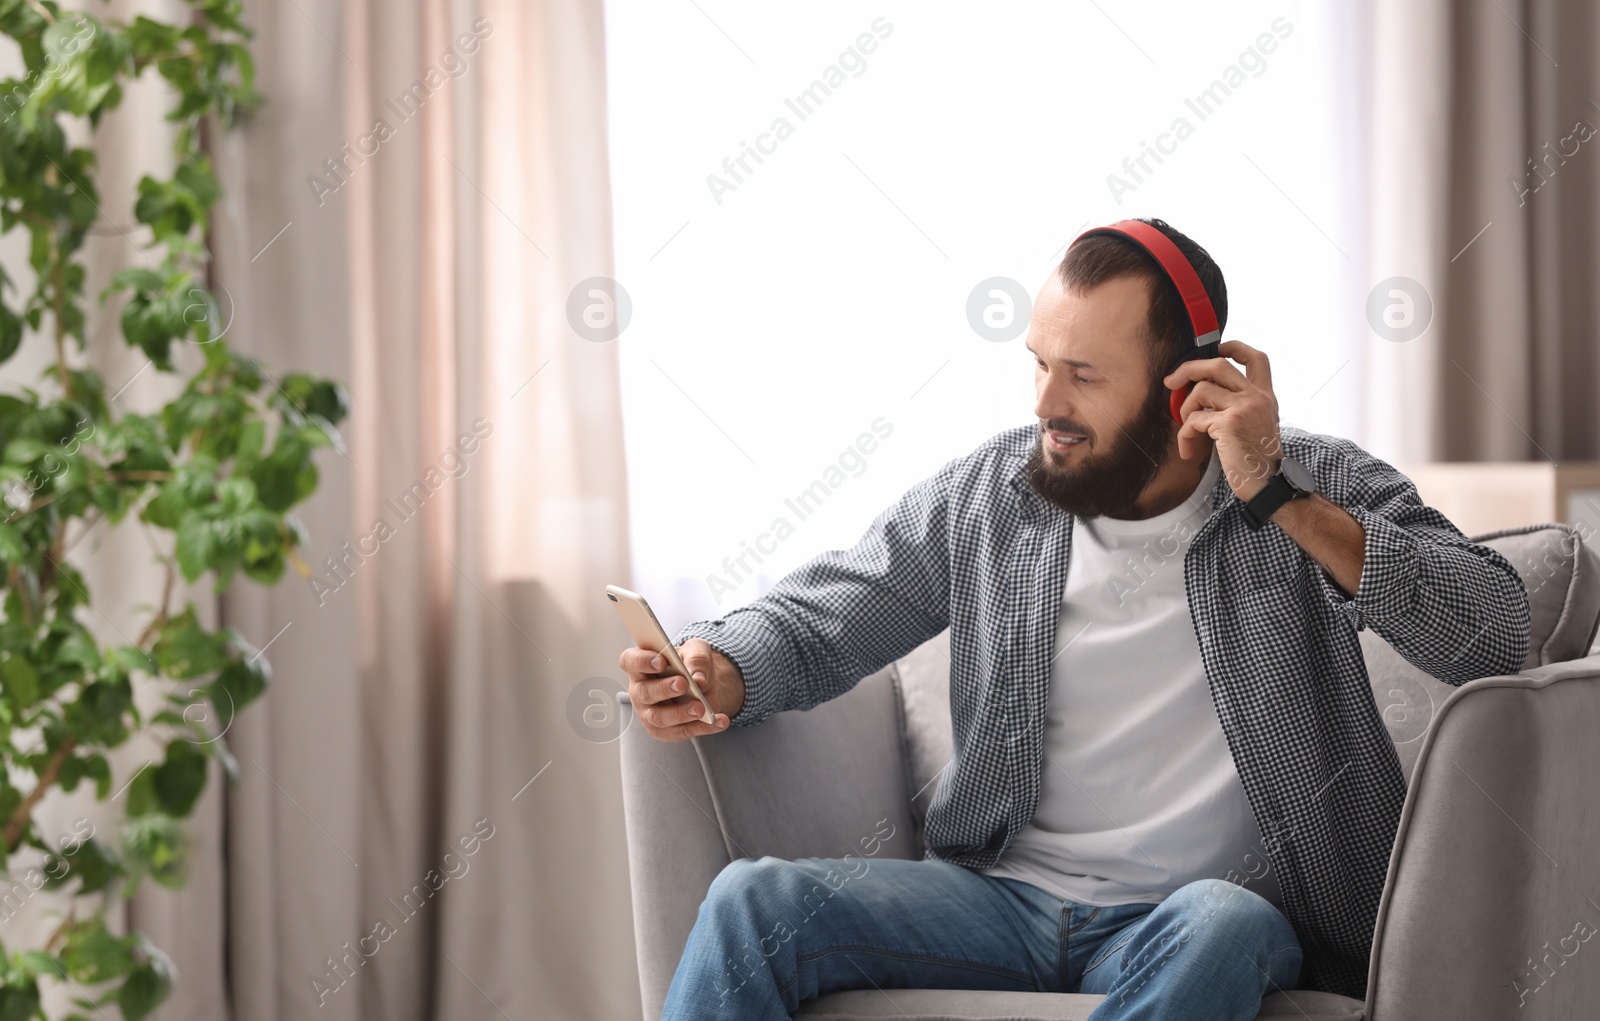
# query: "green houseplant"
211, 476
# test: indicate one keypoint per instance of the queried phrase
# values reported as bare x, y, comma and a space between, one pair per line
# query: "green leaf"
37, 962
287, 475
26, 450
151, 38
19, 1002
196, 178
94, 955
144, 990
99, 770
156, 844
194, 546
252, 440
186, 650
166, 510
100, 714
93, 867
12, 549
141, 793
10, 333
180, 779
132, 658
240, 683
21, 681
78, 648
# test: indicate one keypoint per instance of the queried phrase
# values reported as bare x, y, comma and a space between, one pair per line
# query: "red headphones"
1202, 317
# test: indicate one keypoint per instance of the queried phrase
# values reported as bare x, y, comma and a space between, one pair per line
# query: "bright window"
782, 306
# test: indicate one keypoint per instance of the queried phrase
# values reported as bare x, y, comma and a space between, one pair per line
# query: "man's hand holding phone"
661, 697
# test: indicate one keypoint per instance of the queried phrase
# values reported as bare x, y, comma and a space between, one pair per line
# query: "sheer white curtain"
793, 284
418, 733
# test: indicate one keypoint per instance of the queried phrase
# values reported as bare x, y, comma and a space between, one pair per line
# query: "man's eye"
1081, 379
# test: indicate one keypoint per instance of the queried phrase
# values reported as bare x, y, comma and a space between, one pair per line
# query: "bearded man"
1155, 680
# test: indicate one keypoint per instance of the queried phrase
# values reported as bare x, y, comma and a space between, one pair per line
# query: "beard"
1108, 482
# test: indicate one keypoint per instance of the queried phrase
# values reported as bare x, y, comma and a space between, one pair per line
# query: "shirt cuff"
748, 642
1389, 573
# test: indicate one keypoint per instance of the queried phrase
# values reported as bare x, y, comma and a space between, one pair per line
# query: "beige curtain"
420, 830
1483, 186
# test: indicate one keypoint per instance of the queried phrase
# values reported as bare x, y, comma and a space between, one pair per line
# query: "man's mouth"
1064, 441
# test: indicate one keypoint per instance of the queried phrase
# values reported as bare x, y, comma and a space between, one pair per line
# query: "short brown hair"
1101, 257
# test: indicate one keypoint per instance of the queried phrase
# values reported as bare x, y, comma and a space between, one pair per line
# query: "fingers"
684, 731
671, 714
641, 661
660, 697
663, 690
696, 655
1218, 370
650, 683
1195, 424
1208, 395
678, 719
1257, 366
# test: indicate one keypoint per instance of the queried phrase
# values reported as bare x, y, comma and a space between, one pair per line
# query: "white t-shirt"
1139, 794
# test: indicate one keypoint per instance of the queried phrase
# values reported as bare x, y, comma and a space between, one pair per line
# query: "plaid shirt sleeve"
846, 613
1454, 609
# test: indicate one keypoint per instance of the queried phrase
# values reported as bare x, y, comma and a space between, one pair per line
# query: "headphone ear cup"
1175, 402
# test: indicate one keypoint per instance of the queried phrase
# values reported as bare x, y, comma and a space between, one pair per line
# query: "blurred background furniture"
1494, 858
1480, 496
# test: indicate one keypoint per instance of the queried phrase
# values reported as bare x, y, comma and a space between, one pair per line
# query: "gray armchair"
1494, 877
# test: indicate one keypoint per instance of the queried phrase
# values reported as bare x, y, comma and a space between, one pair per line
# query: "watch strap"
1260, 507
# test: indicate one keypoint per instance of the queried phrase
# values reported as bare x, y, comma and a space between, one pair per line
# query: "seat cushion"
1562, 576
983, 1005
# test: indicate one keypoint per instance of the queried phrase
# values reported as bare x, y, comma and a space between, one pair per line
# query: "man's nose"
1057, 398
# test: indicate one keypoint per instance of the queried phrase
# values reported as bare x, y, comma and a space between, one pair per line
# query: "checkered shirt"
973, 549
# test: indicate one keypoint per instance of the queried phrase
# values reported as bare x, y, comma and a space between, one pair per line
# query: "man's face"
1105, 430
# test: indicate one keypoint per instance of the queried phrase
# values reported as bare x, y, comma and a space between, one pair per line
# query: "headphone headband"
1202, 317
1160, 247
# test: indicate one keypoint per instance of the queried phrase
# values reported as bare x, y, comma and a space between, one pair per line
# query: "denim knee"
1227, 905
743, 876
1231, 915
755, 890
741, 880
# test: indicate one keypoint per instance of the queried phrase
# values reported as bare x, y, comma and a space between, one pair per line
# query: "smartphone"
648, 633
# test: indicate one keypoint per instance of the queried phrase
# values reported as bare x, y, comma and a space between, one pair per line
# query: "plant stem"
19, 819
35, 505
141, 476
161, 617
44, 12
136, 476
89, 521
52, 559
14, 575
57, 300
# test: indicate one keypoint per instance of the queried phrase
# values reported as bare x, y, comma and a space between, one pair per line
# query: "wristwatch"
1291, 482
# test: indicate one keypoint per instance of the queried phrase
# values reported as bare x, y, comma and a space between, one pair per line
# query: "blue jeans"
772, 933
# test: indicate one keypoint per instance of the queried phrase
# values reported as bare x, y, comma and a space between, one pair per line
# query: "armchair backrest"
1491, 889
1562, 576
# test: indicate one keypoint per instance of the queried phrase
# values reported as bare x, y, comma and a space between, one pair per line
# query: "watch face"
1297, 475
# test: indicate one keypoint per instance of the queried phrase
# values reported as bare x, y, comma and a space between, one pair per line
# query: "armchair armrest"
823, 783
1495, 876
